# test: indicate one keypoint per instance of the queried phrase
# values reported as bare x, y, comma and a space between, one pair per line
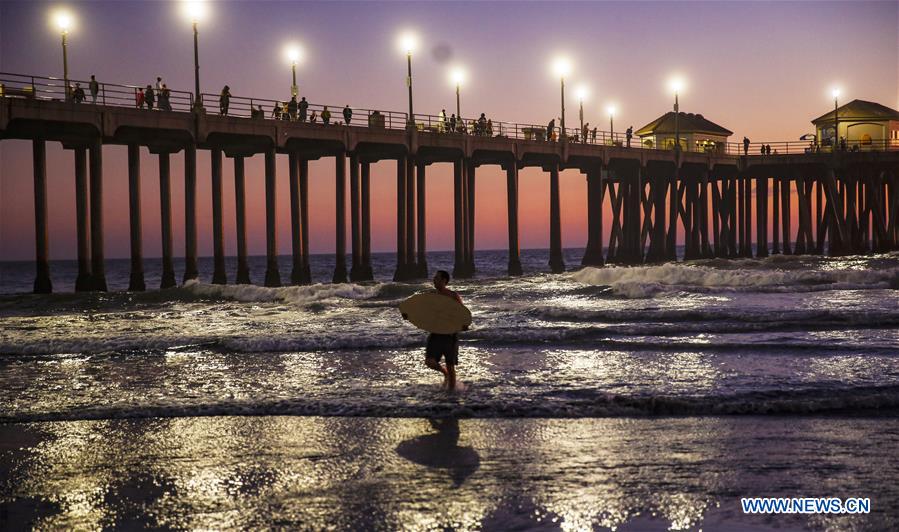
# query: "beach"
624, 398
365, 473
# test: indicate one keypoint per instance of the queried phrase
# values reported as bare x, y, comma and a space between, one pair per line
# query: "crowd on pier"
158, 96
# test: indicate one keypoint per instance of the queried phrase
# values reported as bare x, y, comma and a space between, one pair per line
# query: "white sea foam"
646, 281
289, 294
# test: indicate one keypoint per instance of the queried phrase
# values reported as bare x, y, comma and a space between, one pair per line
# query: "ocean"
649, 397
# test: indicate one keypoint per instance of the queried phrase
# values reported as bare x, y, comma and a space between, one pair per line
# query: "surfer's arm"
459, 300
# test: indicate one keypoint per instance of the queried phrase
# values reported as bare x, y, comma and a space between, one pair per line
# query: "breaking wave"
647, 281
298, 295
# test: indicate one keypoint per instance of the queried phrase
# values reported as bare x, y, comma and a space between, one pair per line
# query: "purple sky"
760, 69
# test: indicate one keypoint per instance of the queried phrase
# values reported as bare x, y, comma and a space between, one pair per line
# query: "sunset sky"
760, 69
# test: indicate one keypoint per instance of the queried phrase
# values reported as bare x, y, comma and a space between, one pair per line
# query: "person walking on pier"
584, 130
165, 102
629, 134
292, 108
745, 145
347, 114
139, 98
550, 128
224, 100
326, 116
452, 122
159, 84
482, 125
312, 118
78, 93
149, 97
304, 106
94, 88
593, 134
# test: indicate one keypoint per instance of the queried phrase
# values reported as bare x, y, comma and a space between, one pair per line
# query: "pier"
848, 200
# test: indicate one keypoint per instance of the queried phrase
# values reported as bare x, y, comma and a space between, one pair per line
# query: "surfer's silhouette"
443, 345
442, 451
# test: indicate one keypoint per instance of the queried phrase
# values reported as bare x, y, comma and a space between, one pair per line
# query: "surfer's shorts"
443, 345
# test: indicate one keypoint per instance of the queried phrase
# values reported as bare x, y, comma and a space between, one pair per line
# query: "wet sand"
344, 473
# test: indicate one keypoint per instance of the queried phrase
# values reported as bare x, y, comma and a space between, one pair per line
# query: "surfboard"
436, 313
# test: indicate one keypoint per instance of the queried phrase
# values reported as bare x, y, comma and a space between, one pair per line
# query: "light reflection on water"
533, 381
418, 474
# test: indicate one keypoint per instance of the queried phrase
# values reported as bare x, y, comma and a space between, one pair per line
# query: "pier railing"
108, 94
266, 109
120, 95
471, 126
810, 147
521, 131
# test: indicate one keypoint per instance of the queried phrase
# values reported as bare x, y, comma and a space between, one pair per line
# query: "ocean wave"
425, 401
196, 291
268, 343
647, 281
289, 294
657, 337
731, 318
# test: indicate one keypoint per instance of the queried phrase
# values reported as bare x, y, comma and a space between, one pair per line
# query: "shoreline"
415, 473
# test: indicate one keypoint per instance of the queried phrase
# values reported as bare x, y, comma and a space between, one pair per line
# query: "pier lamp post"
562, 68
294, 54
582, 92
407, 43
458, 76
195, 11
676, 85
836, 119
611, 109
63, 21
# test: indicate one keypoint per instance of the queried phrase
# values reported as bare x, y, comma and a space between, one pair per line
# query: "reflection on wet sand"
417, 474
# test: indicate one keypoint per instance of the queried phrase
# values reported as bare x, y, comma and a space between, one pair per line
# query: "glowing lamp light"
835, 92
562, 67
63, 20
457, 76
582, 92
293, 53
194, 10
676, 85
407, 42
611, 109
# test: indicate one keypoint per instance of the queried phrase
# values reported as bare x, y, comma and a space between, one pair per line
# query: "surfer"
444, 345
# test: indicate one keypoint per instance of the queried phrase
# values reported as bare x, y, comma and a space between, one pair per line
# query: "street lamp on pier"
611, 109
458, 76
407, 43
676, 85
294, 54
836, 119
562, 68
64, 21
195, 11
582, 92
